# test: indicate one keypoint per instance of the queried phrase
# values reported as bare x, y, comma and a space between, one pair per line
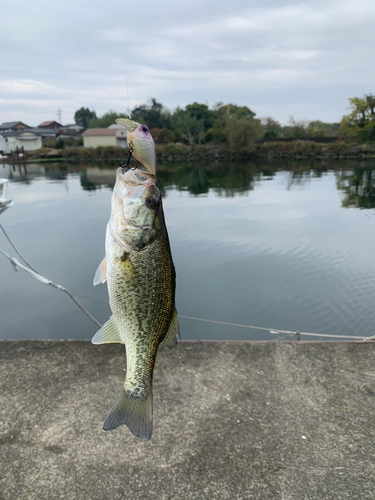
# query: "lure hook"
129, 156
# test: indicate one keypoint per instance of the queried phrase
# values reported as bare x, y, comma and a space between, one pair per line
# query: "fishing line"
127, 86
275, 331
17, 265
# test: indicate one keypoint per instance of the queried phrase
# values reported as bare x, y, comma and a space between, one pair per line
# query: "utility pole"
59, 114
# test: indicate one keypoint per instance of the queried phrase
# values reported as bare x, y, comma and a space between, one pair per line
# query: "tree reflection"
238, 178
225, 179
358, 186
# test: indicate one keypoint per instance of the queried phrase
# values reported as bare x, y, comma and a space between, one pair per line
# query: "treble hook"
129, 156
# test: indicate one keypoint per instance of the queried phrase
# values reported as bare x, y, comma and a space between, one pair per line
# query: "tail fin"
135, 413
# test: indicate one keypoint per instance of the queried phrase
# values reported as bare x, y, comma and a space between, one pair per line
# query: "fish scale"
142, 303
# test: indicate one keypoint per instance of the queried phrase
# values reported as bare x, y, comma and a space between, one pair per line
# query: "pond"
279, 245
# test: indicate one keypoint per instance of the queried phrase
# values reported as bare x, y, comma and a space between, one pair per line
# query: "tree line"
235, 126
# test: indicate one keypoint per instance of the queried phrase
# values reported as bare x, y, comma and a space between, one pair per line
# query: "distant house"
111, 136
12, 127
2, 144
27, 139
73, 126
50, 125
72, 130
45, 133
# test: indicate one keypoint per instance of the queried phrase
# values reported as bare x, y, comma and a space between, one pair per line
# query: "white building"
2, 145
25, 139
111, 136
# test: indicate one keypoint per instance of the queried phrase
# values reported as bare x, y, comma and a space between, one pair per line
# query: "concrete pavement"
231, 421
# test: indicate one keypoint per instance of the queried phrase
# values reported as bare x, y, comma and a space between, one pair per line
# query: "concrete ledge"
229, 423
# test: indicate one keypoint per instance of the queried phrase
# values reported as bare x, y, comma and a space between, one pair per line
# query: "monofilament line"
127, 86
30, 269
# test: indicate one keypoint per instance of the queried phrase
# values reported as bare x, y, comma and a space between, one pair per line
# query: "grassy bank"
294, 150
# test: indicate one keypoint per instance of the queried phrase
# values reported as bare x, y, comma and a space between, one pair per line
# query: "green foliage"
242, 133
360, 122
60, 143
83, 115
318, 128
236, 129
296, 129
226, 113
153, 114
272, 128
109, 118
202, 112
187, 128
162, 135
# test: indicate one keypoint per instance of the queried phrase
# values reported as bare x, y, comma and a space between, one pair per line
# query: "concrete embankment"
231, 421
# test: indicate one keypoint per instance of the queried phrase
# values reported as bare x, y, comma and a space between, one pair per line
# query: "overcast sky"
280, 58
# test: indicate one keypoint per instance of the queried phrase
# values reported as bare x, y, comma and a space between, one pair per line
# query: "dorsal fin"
173, 333
108, 334
101, 273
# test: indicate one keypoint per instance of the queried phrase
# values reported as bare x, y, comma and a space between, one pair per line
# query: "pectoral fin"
173, 333
108, 334
101, 273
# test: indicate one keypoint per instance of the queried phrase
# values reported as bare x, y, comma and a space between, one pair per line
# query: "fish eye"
151, 202
144, 128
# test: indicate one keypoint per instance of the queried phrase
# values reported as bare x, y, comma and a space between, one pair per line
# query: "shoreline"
288, 150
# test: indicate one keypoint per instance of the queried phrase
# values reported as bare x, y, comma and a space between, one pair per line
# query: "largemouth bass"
141, 280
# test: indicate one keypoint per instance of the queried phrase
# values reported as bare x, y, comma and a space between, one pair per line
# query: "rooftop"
48, 123
7, 125
33, 130
100, 131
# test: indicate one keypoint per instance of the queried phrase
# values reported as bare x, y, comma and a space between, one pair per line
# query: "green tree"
162, 135
370, 99
225, 113
109, 118
241, 133
272, 128
187, 128
202, 112
318, 128
83, 116
360, 122
153, 114
230, 110
296, 129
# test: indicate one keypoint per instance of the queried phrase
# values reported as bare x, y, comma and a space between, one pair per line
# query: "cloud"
275, 56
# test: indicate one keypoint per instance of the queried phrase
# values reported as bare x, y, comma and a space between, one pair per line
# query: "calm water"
287, 246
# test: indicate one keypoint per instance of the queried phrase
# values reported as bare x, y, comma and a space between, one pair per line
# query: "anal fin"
173, 333
101, 273
108, 334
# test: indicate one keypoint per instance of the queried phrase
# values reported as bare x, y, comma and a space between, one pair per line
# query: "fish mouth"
130, 125
135, 177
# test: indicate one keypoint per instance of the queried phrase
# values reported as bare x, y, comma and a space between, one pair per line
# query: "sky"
279, 58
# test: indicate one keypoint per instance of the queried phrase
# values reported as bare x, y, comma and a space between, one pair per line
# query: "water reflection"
358, 187
229, 179
268, 244
23, 173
